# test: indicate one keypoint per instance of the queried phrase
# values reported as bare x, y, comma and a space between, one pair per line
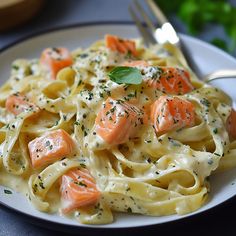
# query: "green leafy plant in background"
196, 14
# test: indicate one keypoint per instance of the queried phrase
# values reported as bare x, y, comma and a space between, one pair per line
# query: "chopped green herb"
7, 191
15, 67
128, 189
210, 162
83, 165
148, 141
35, 188
84, 55
41, 185
215, 130
64, 117
129, 210
217, 154
47, 143
80, 184
205, 102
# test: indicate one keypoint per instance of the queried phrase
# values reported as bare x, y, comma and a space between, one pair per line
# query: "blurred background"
211, 20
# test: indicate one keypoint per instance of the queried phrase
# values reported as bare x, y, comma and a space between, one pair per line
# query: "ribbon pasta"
151, 174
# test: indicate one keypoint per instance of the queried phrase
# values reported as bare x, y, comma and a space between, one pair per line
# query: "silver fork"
166, 33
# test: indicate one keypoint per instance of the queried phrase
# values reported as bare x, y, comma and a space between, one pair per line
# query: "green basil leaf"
125, 75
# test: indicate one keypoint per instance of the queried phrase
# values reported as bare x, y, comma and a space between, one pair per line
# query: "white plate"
209, 59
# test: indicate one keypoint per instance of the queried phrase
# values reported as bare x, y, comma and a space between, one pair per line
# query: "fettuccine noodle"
150, 173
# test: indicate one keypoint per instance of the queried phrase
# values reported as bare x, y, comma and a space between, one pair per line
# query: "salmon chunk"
170, 113
169, 80
117, 121
18, 103
117, 44
50, 147
78, 189
55, 59
231, 124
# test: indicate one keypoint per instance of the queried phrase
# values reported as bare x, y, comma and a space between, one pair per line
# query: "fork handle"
157, 12
220, 74
189, 59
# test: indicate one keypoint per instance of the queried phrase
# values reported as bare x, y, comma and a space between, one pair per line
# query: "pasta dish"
115, 127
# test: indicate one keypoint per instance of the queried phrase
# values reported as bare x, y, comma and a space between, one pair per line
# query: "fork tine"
157, 12
146, 18
148, 38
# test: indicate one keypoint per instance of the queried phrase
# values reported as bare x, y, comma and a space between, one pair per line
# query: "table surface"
59, 13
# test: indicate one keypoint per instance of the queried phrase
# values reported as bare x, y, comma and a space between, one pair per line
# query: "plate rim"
47, 223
